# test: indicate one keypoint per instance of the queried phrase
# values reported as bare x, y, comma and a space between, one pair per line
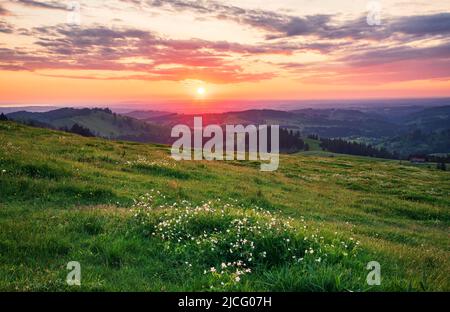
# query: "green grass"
314, 145
68, 198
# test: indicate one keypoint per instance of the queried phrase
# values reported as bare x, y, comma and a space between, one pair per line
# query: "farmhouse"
417, 159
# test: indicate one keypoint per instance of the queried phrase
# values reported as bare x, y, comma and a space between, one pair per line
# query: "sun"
201, 91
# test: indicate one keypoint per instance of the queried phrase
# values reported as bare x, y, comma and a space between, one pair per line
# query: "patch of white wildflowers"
142, 160
231, 241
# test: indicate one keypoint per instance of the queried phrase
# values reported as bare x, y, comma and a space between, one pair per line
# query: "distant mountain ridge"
390, 127
35, 109
327, 122
142, 114
405, 130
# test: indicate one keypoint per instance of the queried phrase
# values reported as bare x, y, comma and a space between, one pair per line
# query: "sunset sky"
132, 51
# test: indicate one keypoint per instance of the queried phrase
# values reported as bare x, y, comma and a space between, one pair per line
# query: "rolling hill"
324, 122
401, 130
430, 119
146, 114
393, 128
137, 220
102, 122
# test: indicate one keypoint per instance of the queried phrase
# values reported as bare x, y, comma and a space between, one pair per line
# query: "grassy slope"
64, 197
101, 123
314, 145
97, 121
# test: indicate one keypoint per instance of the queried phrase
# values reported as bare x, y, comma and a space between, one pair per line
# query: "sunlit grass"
65, 198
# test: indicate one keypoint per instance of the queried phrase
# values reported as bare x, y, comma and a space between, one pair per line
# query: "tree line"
78, 129
291, 141
341, 146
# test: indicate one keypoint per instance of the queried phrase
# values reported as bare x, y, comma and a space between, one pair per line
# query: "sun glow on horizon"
201, 91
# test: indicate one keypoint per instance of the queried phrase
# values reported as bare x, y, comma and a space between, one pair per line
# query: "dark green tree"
441, 166
3, 117
77, 129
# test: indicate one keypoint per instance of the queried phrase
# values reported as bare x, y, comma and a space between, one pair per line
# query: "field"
137, 220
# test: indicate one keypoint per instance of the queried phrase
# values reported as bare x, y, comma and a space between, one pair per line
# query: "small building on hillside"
418, 159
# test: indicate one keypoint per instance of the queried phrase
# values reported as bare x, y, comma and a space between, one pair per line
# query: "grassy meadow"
136, 220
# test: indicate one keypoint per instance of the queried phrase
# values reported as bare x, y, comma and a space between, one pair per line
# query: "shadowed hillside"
101, 122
